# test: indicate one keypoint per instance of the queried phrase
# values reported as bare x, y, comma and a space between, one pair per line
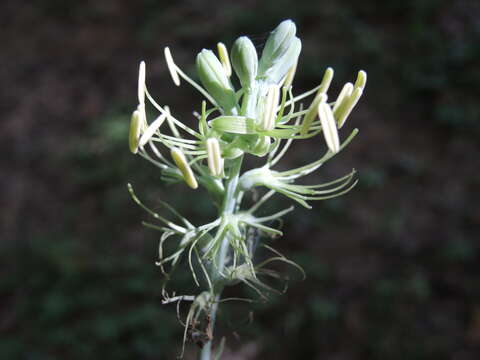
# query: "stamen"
154, 126
171, 66
134, 134
224, 59
141, 83
215, 161
182, 164
329, 127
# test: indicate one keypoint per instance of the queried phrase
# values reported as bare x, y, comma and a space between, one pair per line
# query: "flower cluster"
261, 117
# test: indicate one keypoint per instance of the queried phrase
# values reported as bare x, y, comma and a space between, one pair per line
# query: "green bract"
263, 118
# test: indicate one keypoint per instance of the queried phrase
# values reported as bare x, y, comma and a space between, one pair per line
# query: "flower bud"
215, 80
279, 68
182, 164
277, 44
244, 60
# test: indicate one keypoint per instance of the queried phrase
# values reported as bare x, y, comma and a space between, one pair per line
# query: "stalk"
228, 207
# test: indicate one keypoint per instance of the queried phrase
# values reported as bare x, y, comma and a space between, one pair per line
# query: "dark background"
393, 267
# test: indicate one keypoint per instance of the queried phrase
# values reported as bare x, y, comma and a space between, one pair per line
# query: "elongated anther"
361, 80
224, 59
269, 111
182, 164
344, 95
326, 81
312, 112
141, 83
214, 157
171, 66
150, 131
329, 127
135, 131
342, 113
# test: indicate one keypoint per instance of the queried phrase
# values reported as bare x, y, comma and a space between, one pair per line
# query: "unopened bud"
215, 80
245, 60
277, 44
182, 164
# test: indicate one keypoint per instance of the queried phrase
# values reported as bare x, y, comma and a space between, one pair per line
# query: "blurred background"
393, 267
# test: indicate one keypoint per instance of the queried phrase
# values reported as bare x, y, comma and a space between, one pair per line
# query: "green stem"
230, 201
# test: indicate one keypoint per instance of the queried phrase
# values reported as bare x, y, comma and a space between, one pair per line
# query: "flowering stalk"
261, 118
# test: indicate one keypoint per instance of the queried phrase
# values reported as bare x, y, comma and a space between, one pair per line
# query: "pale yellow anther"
171, 66
326, 81
182, 164
343, 96
141, 83
312, 112
342, 113
329, 127
287, 81
270, 109
214, 157
361, 80
150, 131
135, 131
224, 59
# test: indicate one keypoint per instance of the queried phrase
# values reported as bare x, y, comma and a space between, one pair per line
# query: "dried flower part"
329, 127
215, 161
171, 66
134, 133
182, 164
224, 59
